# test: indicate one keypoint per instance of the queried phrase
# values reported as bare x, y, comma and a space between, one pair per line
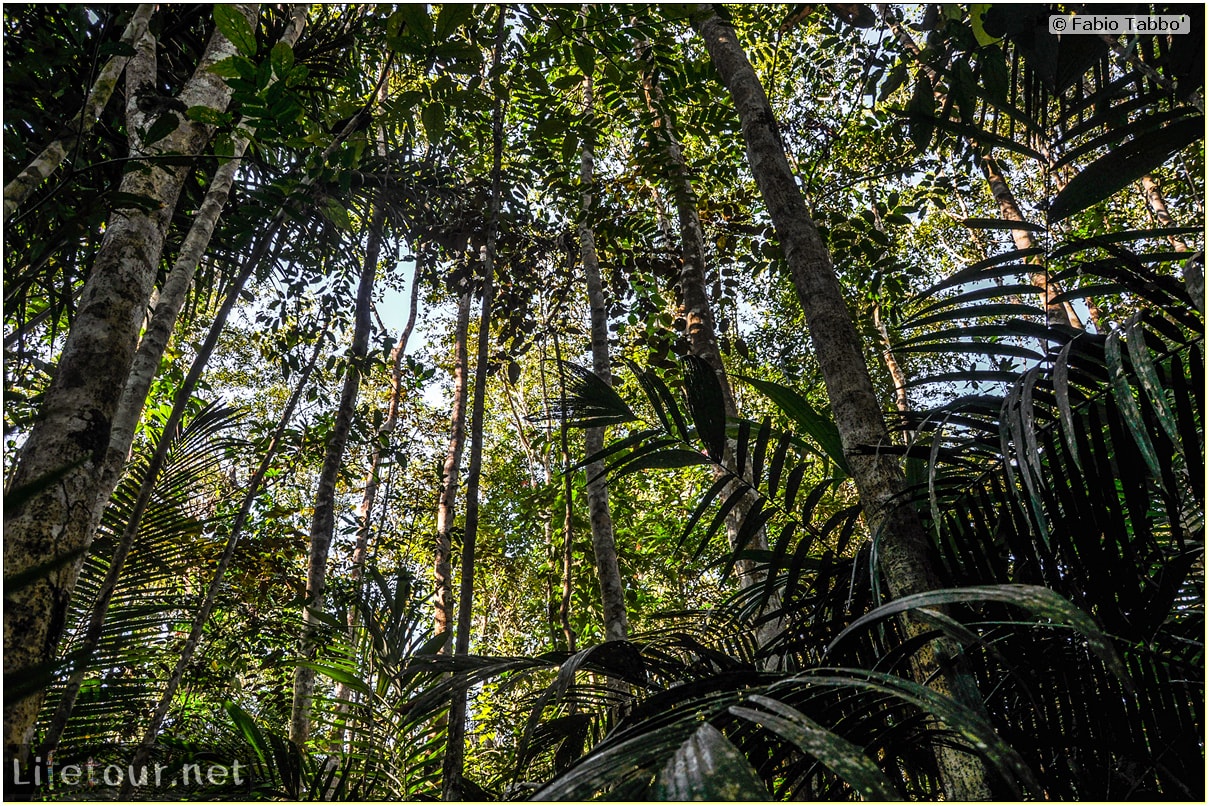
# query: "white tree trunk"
54, 485
47, 162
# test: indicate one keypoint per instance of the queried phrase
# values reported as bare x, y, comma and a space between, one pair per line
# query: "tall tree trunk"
903, 544
173, 293
896, 371
604, 546
700, 325
452, 769
324, 520
51, 157
54, 484
1158, 206
447, 503
202, 616
1056, 313
553, 554
568, 531
1194, 279
373, 473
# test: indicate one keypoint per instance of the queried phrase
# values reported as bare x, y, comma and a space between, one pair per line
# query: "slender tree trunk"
373, 473
452, 784
1056, 313
47, 162
553, 555
172, 296
901, 402
902, 543
604, 546
1158, 206
323, 522
700, 325
202, 616
568, 531
447, 504
54, 485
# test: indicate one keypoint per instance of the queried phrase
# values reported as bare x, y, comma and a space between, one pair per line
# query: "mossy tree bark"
52, 492
604, 546
902, 542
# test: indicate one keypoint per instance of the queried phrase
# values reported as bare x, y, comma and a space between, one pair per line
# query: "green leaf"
566, 82
164, 125
1139, 356
282, 58
819, 427
921, 112
1123, 394
570, 145
589, 402
896, 78
248, 728
978, 20
451, 17
338, 215
433, 118
960, 719
204, 114
339, 675
843, 757
1062, 395
585, 57
415, 17
707, 767
677, 457
1043, 603
1123, 166
984, 137
706, 404
231, 22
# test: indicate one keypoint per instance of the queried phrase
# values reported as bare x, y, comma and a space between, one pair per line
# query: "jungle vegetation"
571, 402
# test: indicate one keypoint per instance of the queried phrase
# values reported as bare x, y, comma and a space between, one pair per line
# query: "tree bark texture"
452, 768
51, 157
902, 542
447, 503
700, 325
1158, 206
901, 401
174, 291
1056, 313
604, 545
323, 522
53, 488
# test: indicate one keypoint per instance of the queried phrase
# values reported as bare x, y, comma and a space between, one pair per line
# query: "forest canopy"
570, 402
